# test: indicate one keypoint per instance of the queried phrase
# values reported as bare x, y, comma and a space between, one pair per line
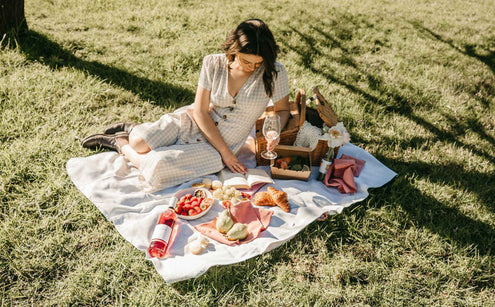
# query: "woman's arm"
282, 108
201, 115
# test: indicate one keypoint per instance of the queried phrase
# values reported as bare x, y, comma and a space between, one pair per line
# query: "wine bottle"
160, 240
325, 164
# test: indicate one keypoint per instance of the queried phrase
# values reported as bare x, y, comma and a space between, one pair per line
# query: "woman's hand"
231, 161
205, 123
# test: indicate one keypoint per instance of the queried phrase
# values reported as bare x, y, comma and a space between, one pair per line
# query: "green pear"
224, 222
237, 232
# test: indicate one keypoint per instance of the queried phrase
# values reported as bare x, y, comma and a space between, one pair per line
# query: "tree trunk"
12, 19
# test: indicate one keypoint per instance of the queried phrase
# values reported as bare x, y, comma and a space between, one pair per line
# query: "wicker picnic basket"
298, 113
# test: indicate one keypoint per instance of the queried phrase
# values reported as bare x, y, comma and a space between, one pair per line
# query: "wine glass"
271, 131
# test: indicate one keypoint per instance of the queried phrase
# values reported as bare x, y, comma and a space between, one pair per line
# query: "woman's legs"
138, 139
138, 144
130, 154
133, 148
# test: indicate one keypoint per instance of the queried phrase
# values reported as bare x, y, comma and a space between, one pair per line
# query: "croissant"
280, 198
263, 199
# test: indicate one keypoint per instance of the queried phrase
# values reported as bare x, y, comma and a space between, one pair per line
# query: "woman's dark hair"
253, 37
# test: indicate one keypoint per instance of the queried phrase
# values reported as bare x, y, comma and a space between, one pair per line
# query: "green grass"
413, 81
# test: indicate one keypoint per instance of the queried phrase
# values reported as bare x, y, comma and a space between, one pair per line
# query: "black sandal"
107, 141
119, 127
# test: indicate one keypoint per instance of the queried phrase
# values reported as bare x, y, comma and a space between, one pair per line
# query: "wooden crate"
296, 120
288, 151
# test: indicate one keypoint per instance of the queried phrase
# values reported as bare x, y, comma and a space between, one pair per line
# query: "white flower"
336, 135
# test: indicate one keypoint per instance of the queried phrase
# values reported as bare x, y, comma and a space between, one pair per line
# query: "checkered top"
237, 115
179, 150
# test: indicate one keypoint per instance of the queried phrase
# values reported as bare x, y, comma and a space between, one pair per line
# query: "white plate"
181, 193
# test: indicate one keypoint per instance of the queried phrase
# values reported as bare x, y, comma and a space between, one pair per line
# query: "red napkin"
359, 164
341, 174
256, 219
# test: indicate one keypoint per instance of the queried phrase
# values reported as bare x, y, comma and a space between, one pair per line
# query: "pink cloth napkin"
256, 219
342, 172
359, 164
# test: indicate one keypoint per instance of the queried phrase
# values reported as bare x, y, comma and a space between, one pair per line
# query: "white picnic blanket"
113, 185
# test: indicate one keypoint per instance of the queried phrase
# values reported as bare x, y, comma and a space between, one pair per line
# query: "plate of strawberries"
193, 203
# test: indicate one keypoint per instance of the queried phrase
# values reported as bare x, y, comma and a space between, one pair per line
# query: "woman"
233, 91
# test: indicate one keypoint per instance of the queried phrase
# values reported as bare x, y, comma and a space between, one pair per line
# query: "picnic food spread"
197, 201
224, 222
225, 225
272, 197
237, 232
226, 193
295, 163
193, 203
197, 245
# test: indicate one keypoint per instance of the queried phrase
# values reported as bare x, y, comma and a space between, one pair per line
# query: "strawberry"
191, 212
245, 195
195, 204
198, 209
226, 204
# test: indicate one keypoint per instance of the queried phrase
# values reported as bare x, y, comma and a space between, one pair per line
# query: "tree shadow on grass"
424, 210
445, 174
391, 100
428, 212
486, 86
467, 49
38, 47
